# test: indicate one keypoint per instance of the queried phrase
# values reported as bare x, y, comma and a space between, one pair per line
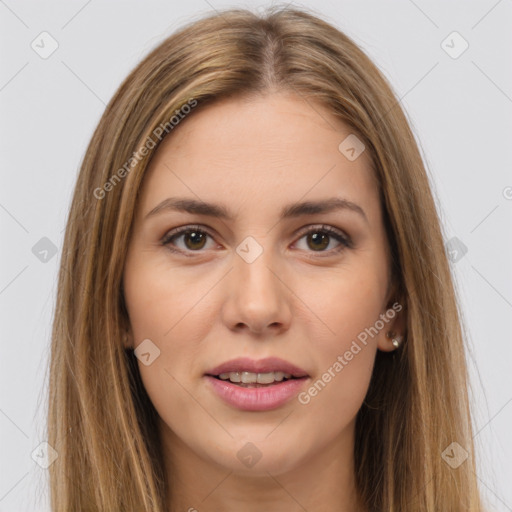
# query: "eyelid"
344, 240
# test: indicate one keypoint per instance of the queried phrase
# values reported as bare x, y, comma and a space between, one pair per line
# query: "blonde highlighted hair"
100, 419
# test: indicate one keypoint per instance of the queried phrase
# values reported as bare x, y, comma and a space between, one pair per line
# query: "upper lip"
267, 365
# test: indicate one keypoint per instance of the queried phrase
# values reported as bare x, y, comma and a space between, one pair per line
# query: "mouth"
256, 385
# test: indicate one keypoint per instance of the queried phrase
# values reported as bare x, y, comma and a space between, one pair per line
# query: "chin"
249, 456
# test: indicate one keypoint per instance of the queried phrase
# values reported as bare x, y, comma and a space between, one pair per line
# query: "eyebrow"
193, 206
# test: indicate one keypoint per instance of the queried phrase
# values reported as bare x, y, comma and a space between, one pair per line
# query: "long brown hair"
101, 421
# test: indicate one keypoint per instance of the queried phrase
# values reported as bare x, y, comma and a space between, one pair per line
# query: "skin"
295, 301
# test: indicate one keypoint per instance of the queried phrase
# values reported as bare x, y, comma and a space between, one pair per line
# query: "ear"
127, 338
396, 326
125, 328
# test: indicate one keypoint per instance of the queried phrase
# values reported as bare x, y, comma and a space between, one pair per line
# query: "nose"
257, 296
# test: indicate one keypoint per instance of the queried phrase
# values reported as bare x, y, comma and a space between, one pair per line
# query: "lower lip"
256, 399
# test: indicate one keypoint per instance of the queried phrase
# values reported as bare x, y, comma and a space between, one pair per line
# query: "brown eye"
191, 239
317, 241
197, 239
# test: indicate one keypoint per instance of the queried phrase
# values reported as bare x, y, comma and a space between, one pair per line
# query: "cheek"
332, 400
161, 302
167, 307
344, 360
342, 305
341, 329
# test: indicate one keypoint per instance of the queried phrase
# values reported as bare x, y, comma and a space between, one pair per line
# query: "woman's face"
258, 285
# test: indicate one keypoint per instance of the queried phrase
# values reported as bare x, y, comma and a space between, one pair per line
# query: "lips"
268, 365
256, 385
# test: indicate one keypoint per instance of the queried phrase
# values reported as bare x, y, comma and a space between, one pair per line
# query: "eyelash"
345, 242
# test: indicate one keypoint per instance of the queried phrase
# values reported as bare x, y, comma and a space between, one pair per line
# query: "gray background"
460, 110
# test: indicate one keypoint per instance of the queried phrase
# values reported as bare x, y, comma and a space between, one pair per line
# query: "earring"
395, 341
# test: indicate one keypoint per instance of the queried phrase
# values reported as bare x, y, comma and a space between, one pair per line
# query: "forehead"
258, 153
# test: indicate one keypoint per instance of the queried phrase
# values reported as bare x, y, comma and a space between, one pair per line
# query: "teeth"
233, 376
265, 378
249, 378
253, 378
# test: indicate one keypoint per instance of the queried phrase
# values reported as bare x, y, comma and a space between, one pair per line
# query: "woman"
255, 309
